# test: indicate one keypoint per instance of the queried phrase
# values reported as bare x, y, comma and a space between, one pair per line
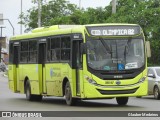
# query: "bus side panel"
64, 73
53, 76
12, 78
51, 88
21, 79
29, 71
81, 75
35, 82
51, 79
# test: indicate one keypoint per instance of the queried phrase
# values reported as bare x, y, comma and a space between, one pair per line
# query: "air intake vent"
112, 92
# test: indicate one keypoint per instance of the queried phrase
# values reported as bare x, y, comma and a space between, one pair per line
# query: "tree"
146, 13
52, 11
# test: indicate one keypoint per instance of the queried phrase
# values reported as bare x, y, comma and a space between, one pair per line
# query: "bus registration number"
109, 82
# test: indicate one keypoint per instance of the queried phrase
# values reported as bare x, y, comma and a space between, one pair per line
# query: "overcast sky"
11, 10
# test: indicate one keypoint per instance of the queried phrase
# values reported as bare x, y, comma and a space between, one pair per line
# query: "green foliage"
55, 12
146, 13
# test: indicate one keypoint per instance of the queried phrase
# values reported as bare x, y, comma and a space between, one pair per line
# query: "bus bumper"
92, 91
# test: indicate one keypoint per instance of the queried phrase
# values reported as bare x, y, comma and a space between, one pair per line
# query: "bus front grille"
112, 92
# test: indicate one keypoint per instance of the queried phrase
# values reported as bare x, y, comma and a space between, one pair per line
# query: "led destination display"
113, 30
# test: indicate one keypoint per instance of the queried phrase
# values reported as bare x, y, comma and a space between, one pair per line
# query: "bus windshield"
115, 54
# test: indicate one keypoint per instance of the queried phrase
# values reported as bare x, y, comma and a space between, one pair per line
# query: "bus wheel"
156, 93
68, 95
30, 96
122, 100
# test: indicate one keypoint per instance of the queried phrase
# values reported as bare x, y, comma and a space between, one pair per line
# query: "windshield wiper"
127, 48
105, 46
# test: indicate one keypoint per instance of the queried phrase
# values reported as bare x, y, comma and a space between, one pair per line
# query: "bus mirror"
83, 48
148, 49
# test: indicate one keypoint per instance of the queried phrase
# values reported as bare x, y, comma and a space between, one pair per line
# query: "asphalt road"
16, 102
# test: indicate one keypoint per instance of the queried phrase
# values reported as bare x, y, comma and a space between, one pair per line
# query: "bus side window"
55, 48
65, 48
53, 54
48, 55
33, 51
24, 52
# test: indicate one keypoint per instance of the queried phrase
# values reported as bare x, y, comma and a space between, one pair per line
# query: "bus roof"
61, 29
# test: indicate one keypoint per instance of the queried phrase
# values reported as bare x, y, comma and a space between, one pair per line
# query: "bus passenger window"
48, 55
65, 54
24, 52
53, 55
33, 51
65, 48
58, 54
55, 49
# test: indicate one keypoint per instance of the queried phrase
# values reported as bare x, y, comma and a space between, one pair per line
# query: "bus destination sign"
113, 30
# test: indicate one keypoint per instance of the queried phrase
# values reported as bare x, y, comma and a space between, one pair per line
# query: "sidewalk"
4, 74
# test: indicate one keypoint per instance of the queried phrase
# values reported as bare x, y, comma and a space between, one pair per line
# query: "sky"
11, 10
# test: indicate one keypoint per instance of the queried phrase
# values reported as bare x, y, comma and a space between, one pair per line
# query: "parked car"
154, 81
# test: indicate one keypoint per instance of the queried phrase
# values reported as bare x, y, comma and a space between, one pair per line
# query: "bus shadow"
84, 103
56, 101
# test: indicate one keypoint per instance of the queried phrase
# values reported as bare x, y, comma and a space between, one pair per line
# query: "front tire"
68, 95
156, 93
122, 100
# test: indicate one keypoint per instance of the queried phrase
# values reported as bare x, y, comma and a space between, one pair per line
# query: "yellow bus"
80, 62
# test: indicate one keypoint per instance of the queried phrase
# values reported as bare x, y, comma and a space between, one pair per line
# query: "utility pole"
21, 19
114, 6
9, 23
39, 13
1, 30
79, 4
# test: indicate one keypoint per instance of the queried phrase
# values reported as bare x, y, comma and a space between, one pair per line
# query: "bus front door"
77, 64
41, 66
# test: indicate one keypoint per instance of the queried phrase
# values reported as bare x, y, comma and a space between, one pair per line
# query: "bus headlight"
91, 81
142, 79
